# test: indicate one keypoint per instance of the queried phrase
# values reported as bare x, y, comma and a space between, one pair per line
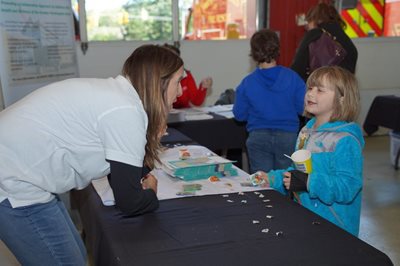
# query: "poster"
37, 45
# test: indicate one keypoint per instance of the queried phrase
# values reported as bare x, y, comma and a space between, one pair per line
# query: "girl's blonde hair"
346, 106
150, 69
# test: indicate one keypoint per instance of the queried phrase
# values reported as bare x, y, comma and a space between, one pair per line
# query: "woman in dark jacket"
326, 17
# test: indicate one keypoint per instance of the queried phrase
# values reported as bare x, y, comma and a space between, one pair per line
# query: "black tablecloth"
385, 112
209, 230
219, 133
174, 138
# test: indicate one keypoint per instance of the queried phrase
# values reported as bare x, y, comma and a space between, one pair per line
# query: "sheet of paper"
202, 113
192, 117
227, 114
215, 108
169, 187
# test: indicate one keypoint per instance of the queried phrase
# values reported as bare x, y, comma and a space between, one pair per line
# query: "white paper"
169, 186
215, 108
227, 114
202, 113
190, 117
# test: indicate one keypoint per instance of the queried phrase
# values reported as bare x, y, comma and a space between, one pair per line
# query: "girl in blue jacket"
333, 188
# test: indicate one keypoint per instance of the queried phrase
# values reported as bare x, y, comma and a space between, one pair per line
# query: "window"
220, 20
153, 19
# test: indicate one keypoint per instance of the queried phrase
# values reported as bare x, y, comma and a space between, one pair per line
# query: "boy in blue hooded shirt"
333, 188
270, 100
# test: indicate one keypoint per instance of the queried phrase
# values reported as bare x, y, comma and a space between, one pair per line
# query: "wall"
377, 70
228, 62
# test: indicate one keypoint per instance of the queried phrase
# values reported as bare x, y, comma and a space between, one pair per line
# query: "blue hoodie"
335, 183
270, 98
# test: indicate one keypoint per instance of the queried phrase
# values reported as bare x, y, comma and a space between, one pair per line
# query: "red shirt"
190, 92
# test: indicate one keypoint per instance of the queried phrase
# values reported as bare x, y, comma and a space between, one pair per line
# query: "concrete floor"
380, 217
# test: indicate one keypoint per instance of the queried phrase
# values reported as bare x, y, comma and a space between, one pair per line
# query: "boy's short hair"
264, 46
347, 96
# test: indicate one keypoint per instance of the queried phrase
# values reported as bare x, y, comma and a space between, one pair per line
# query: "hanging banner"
37, 45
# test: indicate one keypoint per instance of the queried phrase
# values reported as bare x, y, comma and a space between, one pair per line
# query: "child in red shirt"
191, 94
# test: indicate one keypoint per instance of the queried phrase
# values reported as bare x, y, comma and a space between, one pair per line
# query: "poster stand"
37, 46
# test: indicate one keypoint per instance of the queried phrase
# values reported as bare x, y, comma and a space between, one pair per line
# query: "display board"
37, 46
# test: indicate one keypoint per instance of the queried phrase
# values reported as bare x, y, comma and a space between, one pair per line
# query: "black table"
385, 112
218, 133
174, 138
209, 230
224, 136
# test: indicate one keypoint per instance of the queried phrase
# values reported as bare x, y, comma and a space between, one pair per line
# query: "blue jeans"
41, 234
266, 147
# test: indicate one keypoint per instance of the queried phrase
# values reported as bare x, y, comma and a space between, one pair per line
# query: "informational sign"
37, 45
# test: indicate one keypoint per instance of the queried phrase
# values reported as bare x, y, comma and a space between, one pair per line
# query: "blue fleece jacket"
334, 186
270, 98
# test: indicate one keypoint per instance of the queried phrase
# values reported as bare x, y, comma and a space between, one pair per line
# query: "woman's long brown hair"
323, 13
150, 69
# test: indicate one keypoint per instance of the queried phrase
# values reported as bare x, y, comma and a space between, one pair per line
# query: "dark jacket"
301, 60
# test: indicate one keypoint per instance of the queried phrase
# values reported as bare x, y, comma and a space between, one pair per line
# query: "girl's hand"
264, 177
149, 182
286, 179
207, 82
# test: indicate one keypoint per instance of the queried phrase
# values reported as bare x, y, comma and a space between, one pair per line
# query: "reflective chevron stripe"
364, 20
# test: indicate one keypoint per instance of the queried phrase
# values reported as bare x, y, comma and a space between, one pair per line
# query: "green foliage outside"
144, 20
157, 26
